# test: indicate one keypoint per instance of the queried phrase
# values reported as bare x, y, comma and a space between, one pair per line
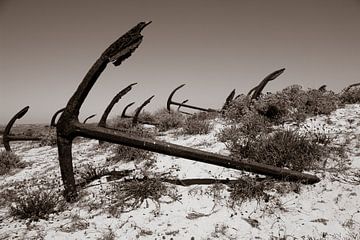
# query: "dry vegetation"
9, 161
255, 131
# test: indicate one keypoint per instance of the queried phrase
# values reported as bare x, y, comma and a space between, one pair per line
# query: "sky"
212, 46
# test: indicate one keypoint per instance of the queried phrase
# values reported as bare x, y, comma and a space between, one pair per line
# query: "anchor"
7, 138
68, 127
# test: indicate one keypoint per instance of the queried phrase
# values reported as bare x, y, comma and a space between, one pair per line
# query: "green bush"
132, 193
252, 124
295, 104
291, 104
284, 148
8, 161
351, 96
196, 124
247, 189
167, 121
36, 204
238, 108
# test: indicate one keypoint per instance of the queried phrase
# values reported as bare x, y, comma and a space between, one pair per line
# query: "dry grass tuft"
131, 194
36, 204
8, 161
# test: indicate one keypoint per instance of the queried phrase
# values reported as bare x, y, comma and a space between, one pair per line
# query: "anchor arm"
258, 89
89, 117
6, 137
138, 110
123, 114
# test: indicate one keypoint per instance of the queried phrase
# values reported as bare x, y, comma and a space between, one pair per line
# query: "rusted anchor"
102, 122
170, 101
68, 127
89, 117
7, 138
322, 88
258, 89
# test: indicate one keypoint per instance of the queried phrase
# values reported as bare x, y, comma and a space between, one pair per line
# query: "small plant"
167, 121
8, 161
251, 126
131, 193
36, 204
246, 189
196, 124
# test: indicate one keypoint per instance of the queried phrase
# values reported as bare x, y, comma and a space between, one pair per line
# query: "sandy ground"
329, 209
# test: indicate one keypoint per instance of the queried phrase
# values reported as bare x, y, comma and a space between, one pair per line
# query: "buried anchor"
68, 127
183, 104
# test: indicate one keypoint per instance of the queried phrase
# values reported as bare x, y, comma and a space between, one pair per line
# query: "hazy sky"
213, 46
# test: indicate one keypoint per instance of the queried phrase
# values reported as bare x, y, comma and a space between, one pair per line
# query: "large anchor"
7, 138
69, 127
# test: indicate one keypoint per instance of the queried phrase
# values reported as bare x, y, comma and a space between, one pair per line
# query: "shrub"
238, 108
295, 104
251, 125
350, 96
147, 116
291, 104
245, 189
284, 148
36, 204
196, 124
167, 121
8, 161
132, 193
320, 102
